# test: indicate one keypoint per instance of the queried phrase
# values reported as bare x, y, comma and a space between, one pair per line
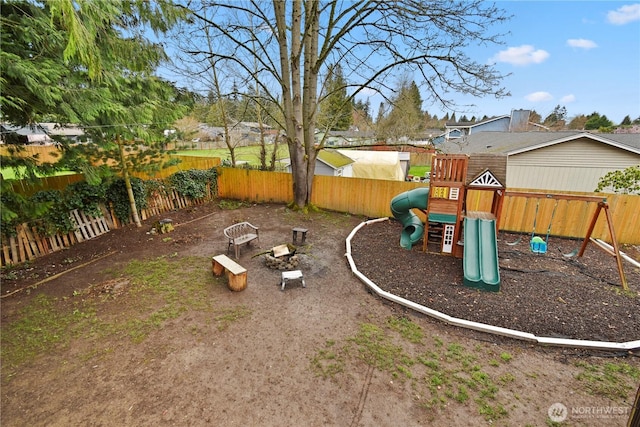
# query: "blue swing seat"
538, 245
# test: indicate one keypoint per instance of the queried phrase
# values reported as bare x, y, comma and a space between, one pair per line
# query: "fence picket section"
14, 250
39, 241
21, 252
53, 243
5, 252
27, 244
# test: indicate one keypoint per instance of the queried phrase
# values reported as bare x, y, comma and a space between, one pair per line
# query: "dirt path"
327, 354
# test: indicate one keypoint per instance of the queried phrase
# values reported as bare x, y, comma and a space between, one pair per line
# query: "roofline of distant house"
572, 137
457, 125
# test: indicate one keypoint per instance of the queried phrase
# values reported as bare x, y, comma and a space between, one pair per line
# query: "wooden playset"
447, 204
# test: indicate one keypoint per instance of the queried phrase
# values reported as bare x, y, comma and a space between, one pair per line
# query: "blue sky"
583, 55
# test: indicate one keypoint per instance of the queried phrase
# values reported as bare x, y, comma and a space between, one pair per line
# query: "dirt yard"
132, 329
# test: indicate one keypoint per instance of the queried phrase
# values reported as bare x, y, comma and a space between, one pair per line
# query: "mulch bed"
544, 294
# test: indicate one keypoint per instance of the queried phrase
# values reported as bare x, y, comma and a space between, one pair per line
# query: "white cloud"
521, 55
581, 43
568, 99
368, 92
624, 15
539, 97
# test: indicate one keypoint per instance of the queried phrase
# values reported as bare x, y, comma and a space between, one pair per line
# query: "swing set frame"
602, 206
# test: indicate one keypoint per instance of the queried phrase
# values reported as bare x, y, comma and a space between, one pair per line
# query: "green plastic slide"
480, 262
401, 206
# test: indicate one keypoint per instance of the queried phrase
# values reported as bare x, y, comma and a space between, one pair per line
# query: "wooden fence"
372, 198
62, 181
186, 163
357, 196
41, 153
28, 244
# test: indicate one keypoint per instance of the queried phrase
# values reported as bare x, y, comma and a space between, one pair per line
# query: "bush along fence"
82, 212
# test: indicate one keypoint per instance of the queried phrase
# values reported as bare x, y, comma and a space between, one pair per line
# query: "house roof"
511, 143
55, 129
456, 125
32, 133
333, 158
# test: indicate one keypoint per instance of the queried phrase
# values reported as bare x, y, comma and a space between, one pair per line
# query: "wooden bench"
236, 274
240, 233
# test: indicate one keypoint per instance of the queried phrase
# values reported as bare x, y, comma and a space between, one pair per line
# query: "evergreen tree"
597, 122
381, 113
626, 121
405, 120
336, 109
88, 63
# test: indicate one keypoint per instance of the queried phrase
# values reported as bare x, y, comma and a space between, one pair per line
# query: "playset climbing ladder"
446, 200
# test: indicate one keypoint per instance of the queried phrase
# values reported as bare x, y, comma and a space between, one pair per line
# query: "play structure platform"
480, 260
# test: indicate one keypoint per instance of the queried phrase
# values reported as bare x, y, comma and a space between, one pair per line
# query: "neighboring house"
209, 133
71, 133
34, 134
562, 161
346, 138
517, 121
253, 127
329, 163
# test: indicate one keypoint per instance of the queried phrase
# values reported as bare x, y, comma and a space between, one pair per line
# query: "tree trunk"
297, 97
127, 183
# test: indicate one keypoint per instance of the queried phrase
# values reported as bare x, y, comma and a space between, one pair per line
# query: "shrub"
193, 183
116, 194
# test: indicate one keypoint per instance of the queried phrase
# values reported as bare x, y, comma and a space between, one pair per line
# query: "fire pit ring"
282, 257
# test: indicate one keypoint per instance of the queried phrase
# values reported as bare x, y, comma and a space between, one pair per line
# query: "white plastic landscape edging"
625, 256
482, 327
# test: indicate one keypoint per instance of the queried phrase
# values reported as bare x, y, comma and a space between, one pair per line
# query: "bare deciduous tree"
294, 42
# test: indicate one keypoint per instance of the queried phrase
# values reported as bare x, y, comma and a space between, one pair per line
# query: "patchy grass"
327, 363
230, 315
39, 328
376, 349
407, 329
157, 290
228, 204
440, 374
609, 380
